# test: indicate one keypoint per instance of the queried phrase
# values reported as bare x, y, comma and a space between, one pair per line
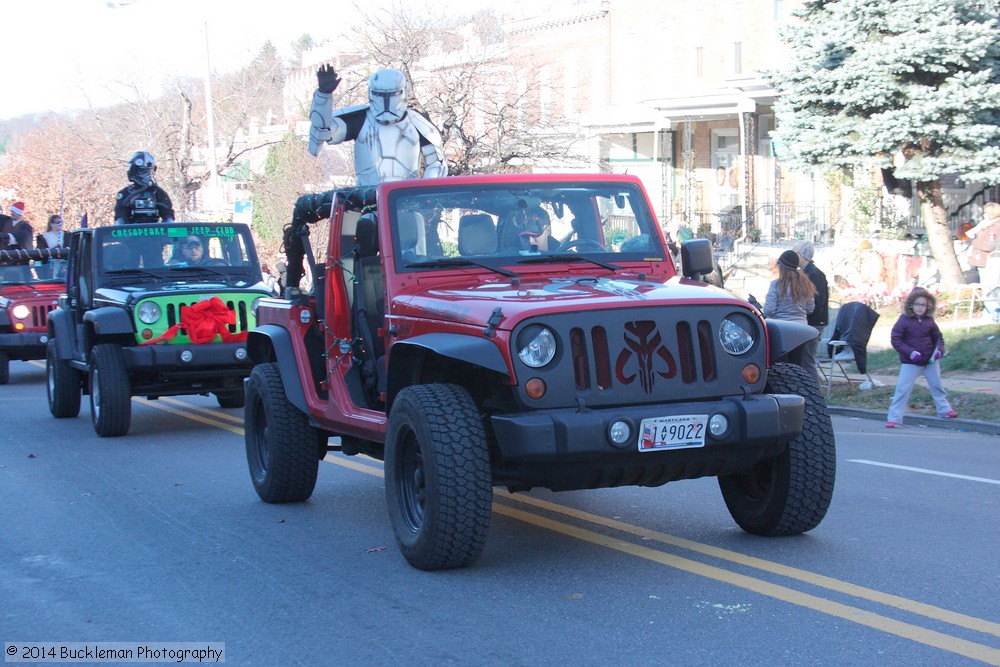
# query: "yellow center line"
879, 622
191, 412
860, 616
912, 606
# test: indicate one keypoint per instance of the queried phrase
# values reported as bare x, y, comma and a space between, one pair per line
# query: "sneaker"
951, 414
890, 424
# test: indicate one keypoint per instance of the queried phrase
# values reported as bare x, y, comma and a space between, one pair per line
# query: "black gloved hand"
327, 79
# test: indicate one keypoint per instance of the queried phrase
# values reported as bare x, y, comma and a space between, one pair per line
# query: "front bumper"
25, 345
571, 448
167, 359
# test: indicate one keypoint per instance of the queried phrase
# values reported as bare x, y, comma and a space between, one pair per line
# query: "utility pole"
212, 199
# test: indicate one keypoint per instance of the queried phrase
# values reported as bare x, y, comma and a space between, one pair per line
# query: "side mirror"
696, 258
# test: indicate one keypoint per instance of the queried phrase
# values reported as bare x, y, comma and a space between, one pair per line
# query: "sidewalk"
987, 382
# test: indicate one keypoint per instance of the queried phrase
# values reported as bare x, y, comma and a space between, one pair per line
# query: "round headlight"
736, 334
539, 347
20, 311
148, 312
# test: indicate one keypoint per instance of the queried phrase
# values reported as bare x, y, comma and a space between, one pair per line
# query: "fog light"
718, 425
534, 388
620, 433
187, 356
241, 354
43, 339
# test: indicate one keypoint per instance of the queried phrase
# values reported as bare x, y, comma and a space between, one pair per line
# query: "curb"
921, 420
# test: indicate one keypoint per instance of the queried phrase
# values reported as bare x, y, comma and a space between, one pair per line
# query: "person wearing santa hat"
19, 233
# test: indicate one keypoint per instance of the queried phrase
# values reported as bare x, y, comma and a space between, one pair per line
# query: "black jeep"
152, 310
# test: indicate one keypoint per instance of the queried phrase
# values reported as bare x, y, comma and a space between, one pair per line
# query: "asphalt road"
159, 537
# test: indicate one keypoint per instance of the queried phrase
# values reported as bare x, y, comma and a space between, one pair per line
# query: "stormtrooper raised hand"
389, 137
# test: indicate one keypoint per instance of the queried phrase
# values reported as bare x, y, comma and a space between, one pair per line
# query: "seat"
477, 235
368, 308
117, 257
823, 346
412, 233
849, 342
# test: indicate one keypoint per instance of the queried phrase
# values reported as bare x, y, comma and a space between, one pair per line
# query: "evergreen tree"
868, 80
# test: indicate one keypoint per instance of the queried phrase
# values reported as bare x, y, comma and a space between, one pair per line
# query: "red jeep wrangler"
31, 282
524, 331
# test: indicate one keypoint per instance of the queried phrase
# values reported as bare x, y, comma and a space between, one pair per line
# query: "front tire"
791, 492
438, 483
4, 366
281, 444
110, 394
63, 384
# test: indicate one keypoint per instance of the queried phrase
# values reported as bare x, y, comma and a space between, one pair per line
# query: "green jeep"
152, 310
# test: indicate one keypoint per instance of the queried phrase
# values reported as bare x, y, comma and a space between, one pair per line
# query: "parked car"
482, 331
152, 310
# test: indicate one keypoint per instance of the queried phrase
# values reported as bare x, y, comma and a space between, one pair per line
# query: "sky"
61, 55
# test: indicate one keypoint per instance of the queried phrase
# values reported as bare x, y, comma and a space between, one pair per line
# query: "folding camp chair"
823, 347
848, 342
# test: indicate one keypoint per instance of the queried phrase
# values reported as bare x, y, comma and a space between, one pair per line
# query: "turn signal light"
751, 373
534, 388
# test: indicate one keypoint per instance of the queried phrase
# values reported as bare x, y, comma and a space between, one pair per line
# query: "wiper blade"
460, 261
185, 267
130, 272
557, 257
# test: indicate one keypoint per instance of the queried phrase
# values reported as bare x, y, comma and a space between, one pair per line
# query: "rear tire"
281, 444
438, 483
110, 394
63, 384
791, 492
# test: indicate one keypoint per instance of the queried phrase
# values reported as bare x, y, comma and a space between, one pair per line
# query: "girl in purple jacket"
918, 340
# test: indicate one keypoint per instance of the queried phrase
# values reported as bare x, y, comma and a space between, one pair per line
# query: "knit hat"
805, 249
17, 207
789, 259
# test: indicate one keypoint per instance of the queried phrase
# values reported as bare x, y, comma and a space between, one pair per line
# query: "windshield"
164, 249
504, 225
34, 271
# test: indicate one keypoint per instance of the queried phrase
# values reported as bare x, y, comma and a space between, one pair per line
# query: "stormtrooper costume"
389, 137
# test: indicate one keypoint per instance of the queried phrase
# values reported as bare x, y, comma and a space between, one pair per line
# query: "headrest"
366, 236
476, 235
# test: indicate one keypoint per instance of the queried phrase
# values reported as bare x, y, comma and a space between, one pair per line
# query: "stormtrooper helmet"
387, 96
141, 168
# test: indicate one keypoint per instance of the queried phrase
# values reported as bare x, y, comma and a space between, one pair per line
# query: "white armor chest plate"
386, 152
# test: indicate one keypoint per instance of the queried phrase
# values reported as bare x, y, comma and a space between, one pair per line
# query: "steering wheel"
582, 243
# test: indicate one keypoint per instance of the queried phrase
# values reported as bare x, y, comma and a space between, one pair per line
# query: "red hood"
474, 304
32, 291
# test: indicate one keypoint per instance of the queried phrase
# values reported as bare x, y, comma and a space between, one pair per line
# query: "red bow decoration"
204, 321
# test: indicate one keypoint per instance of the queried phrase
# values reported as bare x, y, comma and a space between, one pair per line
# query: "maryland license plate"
677, 432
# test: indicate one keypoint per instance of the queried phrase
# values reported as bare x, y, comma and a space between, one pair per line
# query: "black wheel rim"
411, 482
95, 392
261, 451
758, 481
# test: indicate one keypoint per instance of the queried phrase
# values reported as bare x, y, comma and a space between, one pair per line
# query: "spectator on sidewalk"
821, 312
984, 238
918, 340
790, 297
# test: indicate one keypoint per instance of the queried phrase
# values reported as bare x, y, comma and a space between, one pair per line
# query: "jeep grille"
632, 356
239, 307
40, 315
694, 352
